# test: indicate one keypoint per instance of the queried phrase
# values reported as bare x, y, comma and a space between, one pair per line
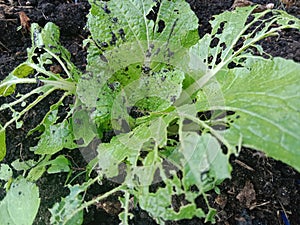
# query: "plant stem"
60, 62
57, 83
93, 201
31, 105
61, 84
126, 208
9, 105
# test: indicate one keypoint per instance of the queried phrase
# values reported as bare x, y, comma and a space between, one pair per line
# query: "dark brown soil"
260, 189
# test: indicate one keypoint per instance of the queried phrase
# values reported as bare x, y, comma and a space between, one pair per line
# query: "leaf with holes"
21, 203
264, 96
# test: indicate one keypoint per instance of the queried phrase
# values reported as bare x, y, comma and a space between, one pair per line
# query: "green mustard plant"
177, 106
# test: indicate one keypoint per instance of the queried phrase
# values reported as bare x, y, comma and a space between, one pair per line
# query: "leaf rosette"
167, 96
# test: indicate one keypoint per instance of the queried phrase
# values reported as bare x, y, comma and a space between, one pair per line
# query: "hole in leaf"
221, 114
179, 174
122, 34
224, 149
103, 58
114, 20
200, 203
161, 26
104, 44
194, 188
120, 178
105, 9
206, 115
291, 22
220, 29
114, 38
178, 201
157, 182
169, 168
223, 46
152, 15
214, 42
135, 112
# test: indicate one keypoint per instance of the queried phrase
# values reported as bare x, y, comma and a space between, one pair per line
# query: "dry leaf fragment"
112, 208
241, 3
25, 21
247, 195
56, 69
221, 200
288, 3
259, 8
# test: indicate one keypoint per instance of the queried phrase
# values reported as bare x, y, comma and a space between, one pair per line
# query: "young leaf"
148, 34
21, 203
23, 165
21, 71
163, 200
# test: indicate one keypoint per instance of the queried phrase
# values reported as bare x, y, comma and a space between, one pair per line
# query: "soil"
260, 189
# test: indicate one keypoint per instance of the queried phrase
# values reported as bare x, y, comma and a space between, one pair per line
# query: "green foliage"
238, 98
61, 212
271, 103
151, 80
20, 204
45, 52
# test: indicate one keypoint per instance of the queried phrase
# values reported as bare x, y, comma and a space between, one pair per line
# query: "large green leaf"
265, 97
131, 40
116, 22
21, 203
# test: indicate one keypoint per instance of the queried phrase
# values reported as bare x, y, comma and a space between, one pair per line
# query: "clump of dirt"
260, 189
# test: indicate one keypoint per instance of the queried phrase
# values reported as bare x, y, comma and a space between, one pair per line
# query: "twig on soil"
2, 45
244, 165
14, 20
258, 205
